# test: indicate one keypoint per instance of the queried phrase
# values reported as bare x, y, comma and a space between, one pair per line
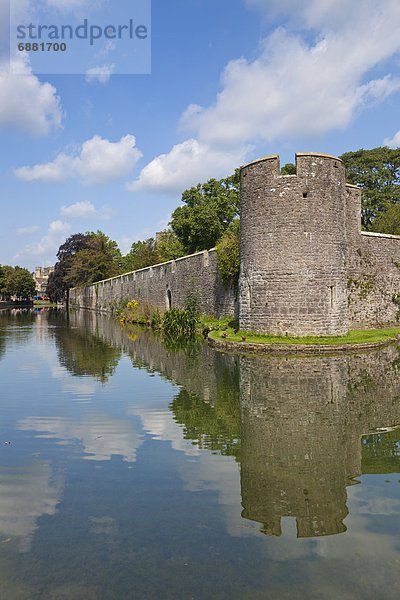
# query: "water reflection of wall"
300, 424
196, 367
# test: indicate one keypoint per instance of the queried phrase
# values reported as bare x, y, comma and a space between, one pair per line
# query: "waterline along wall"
306, 267
163, 286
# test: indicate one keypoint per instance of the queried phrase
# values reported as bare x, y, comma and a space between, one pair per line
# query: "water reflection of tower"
302, 422
293, 443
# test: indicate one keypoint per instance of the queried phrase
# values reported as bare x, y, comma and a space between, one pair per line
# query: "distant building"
41, 277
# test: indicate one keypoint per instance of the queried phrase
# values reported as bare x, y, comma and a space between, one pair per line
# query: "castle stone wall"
374, 281
163, 286
306, 267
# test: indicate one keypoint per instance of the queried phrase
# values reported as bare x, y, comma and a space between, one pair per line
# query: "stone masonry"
163, 286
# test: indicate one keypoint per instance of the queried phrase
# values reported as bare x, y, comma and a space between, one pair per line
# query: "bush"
179, 322
175, 322
182, 322
228, 254
135, 312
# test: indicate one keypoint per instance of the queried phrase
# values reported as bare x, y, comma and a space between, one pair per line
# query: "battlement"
310, 164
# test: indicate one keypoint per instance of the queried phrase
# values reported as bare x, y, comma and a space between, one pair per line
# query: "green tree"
377, 173
168, 246
142, 254
208, 210
228, 253
24, 283
9, 284
145, 253
83, 259
2, 281
16, 281
100, 259
288, 169
388, 221
57, 286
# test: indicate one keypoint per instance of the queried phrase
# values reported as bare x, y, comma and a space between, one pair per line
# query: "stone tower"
293, 247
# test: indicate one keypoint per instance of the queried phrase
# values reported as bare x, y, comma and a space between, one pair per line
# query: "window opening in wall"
169, 299
332, 294
305, 194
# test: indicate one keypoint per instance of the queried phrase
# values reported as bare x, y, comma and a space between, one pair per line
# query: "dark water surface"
130, 468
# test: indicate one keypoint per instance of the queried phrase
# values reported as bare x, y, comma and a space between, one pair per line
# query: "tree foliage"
377, 173
99, 260
168, 246
288, 169
16, 282
152, 251
83, 259
142, 254
388, 221
57, 285
208, 210
228, 253
2, 279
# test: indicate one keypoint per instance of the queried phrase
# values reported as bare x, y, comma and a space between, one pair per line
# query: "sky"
230, 81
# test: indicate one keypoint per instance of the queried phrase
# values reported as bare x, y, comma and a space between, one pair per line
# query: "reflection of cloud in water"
205, 471
26, 493
101, 435
80, 387
30, 368
222, 475
161, 425
366, 553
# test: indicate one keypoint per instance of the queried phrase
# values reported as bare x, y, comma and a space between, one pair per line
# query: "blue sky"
231, 80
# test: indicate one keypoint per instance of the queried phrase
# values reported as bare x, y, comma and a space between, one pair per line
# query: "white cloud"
49, 244
304, 83
84, 210
185, 165
69, 5
26, 103
100, 74
98, 161
294, 88
393, 142
27, 230
328, 14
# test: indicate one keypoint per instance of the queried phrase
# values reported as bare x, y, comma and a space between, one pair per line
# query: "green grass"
44, 303
356, 336
211, 322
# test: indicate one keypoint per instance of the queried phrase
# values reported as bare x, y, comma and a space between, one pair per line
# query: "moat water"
131, 468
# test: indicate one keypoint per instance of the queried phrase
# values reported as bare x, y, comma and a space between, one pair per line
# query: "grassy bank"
356, 336
44, 304
188, 321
